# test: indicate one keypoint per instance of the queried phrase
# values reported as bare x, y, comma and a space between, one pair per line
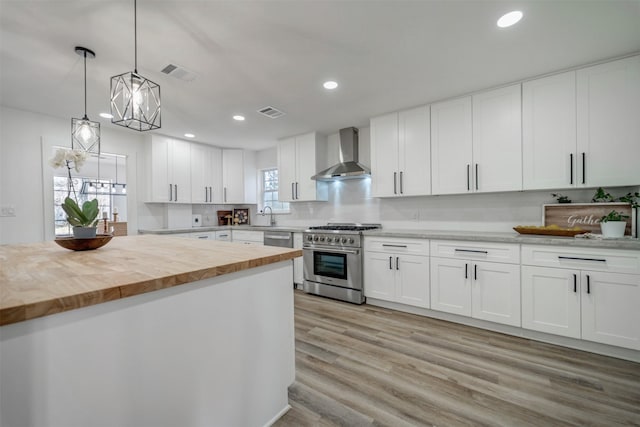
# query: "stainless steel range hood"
348, 168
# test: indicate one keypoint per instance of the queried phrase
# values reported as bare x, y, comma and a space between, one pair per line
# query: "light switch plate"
7, 210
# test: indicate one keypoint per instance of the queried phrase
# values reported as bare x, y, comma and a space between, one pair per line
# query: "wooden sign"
225, 217
586, 215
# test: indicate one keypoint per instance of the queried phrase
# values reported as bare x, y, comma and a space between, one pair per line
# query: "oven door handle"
331, 250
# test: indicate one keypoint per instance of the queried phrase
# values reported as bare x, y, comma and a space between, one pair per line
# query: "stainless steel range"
332, 256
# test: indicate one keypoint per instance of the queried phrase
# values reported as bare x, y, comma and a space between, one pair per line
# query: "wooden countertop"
40, 279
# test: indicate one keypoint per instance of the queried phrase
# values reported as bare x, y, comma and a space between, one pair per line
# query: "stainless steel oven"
332, 257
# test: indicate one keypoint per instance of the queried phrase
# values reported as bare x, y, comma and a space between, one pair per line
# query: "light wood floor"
364, 365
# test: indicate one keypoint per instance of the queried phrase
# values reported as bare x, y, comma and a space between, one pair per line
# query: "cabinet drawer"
391, 244
247, 236
497, 252
597, 259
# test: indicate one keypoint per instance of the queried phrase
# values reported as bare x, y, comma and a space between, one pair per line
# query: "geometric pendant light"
135, 100
85, 134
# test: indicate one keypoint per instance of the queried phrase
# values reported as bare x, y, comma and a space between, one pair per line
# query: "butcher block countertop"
40, 279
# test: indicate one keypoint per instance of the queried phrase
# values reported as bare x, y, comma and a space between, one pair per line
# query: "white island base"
217, 352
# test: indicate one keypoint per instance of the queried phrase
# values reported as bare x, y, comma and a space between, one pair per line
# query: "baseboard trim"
279, 415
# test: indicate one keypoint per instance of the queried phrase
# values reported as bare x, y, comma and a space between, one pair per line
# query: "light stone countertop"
480, 236
292, 229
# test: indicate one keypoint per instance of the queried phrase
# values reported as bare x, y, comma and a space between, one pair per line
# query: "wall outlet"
7, 210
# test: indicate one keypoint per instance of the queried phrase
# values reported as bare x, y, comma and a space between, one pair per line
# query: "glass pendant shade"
85, 135
135, 102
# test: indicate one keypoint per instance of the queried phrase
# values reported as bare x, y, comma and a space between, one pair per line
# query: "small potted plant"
83, 219
561, 198
613, 224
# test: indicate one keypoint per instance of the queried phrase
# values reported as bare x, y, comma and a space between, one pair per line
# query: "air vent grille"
271, 112
179, 72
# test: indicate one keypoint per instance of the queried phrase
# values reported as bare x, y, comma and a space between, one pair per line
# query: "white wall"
26, 141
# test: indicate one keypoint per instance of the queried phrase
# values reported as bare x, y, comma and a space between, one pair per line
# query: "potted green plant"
613, 224
83, 219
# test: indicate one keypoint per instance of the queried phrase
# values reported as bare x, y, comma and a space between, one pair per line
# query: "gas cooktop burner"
345, 227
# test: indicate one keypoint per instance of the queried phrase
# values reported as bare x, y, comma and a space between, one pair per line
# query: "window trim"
262, 191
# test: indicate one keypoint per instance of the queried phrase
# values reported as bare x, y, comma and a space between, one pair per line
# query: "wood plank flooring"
370, 366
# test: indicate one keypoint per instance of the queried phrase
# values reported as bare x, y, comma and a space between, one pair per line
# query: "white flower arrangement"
65, 157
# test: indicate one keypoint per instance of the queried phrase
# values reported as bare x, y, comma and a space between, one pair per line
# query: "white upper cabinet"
400, 153
206, 174
549, 132
608, 116
477, 143
170, 170
297, 163
233, 188
497, 140
451, 146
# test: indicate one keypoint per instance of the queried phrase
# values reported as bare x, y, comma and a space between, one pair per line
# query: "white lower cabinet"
397, 270
482, 290
581, 298
463, 282
247, 237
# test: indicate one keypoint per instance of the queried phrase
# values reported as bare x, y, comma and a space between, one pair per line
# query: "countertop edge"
504, 237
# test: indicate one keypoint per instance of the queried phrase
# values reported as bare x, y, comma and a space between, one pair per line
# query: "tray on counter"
549, 231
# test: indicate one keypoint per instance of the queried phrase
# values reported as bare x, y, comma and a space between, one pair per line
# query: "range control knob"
351, 241
315, 238
344, 240
329, 239
309, 238
322, 239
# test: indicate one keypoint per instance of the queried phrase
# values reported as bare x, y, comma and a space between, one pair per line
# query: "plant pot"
84, 232
613, 228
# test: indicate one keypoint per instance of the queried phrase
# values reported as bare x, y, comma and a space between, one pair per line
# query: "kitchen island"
146, 331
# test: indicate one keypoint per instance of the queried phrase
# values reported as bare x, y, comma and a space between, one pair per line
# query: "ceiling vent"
179, 72
271, 112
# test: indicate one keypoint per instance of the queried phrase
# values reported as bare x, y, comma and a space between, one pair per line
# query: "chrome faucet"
272, 220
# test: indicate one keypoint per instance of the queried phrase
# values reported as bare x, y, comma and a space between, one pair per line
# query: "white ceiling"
386, 55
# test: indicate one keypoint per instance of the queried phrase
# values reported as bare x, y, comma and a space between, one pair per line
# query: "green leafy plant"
561, 198
614, 216
632, 198
602, 196
87, 216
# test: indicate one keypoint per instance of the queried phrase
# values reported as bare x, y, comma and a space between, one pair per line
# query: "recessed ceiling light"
106, 115
508, 19
238, 117
330, 85
189, 135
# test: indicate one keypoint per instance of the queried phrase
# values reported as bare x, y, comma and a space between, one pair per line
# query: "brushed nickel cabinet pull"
388, 245
293, 191
175, 189
395, 187
170, 192
401, 191
476, 176
471, 250
397, 263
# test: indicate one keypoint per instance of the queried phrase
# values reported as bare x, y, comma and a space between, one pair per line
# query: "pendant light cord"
85, 85
135, 36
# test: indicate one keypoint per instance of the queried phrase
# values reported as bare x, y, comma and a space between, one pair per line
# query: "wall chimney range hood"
348, 168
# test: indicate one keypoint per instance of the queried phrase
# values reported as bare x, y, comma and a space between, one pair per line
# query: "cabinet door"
497, 140
451, 143
287, 169
450, 286
608, 125
180, 175
412, 280
160, 185
298, 266
305, 187
551, 300
549, 132
610, 313
233, 176
384, 155
414, 152
379, 273
216, 175
495, 291
200, 159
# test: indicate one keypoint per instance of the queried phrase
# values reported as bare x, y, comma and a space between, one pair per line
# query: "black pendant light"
135, 100
85, 134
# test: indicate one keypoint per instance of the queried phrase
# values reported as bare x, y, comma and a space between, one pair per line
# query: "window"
269, 191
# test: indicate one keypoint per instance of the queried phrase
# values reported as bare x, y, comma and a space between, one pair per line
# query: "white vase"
84, 232
613, 228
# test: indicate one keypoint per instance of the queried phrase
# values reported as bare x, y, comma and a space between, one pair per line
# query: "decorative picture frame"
241, 215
